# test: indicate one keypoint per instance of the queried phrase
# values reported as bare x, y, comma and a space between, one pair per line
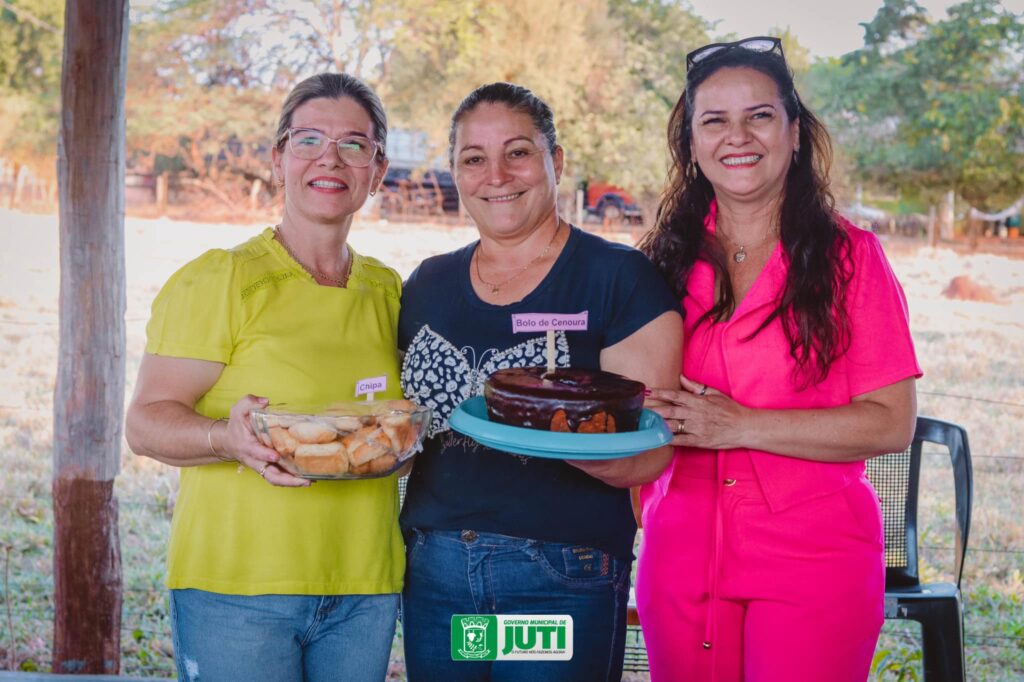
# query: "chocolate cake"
576, 400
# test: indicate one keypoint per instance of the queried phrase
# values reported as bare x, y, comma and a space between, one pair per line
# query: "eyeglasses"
755, 44
473, 163
353, 150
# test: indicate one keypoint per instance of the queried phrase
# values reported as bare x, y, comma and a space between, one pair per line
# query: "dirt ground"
971, 353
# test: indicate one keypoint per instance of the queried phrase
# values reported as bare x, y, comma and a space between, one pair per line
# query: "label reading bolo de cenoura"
511, 638
546, 322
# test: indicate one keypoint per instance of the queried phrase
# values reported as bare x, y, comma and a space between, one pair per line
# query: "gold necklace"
495, 288
314, 273
740, 254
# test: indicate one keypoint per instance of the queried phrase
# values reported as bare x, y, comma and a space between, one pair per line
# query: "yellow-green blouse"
282, 336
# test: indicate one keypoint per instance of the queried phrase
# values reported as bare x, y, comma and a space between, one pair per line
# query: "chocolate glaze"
531, 397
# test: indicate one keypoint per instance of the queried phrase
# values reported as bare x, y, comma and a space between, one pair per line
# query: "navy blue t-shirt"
453, 341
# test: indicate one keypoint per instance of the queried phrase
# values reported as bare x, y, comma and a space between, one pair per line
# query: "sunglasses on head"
755, 44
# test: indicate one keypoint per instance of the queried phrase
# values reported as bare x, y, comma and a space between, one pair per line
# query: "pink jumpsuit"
756, 566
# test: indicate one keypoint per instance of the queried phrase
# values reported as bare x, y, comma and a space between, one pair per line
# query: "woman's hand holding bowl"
239, 442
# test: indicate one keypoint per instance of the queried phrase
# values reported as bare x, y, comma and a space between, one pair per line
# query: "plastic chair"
937, 606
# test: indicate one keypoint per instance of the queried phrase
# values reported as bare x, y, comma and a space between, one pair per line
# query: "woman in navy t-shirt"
488, 532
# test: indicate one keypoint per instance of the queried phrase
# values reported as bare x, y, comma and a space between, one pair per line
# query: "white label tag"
370, 386
542, 322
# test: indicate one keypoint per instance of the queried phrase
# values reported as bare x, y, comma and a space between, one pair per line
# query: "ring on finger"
263, 470
703, 390
680, 426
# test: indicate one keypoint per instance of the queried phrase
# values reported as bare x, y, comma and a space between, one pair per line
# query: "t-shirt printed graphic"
440, 376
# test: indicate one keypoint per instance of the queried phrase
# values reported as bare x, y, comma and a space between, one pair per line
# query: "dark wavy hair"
811, 305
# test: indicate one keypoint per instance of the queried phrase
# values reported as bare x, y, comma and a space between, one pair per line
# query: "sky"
828, 28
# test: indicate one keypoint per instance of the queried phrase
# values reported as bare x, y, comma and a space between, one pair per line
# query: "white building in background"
407, 148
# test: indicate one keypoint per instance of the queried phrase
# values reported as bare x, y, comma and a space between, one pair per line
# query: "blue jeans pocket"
577, 564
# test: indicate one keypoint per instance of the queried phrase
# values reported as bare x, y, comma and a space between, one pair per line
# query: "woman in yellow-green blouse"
272, 578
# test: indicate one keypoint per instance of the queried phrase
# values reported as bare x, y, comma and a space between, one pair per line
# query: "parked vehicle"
409, 192
415, 184
609, 203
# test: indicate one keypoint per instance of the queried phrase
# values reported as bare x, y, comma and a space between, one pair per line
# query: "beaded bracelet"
209, 440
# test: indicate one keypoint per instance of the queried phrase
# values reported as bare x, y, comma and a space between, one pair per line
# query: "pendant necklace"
495, 288
740, 254
314, 273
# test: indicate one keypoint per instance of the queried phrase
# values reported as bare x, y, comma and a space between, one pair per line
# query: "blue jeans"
282, 637
449, 572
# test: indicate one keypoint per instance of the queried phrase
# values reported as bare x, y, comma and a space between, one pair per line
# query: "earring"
796, 156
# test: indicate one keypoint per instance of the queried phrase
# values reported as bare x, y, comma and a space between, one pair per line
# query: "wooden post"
17, 185
88, 401
161, 192
948, 217
254, 195
933, 231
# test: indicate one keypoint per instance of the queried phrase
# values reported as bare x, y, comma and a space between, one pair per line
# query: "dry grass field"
971, 352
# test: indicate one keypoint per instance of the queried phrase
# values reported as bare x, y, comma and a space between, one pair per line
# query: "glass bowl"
343, 440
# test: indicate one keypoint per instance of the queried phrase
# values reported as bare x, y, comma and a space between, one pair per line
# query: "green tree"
207, 78
31, 36
657, 35
563, 51
611, 70
928, 107
30, 44
350, 36
200, 101
797, 56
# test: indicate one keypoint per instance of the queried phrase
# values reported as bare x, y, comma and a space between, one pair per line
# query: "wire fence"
139, 620
54, 324
133, 620
971, 398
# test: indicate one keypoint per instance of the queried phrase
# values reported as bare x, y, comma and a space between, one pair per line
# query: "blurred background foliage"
925, 107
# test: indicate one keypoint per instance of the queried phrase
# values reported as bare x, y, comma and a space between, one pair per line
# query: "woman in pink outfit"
762, 555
